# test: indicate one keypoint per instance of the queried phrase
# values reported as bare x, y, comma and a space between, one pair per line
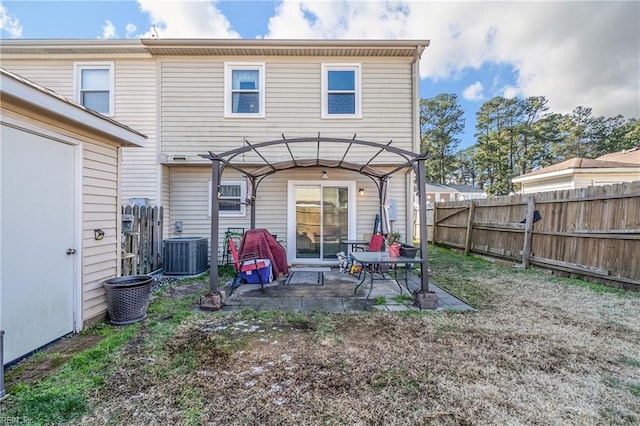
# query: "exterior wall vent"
185, 255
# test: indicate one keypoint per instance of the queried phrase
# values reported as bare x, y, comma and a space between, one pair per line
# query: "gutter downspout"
410, 186
3, 393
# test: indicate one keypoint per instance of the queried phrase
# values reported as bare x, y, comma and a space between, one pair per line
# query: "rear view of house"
202, 97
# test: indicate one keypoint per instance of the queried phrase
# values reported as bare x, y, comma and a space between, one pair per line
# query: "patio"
377, 161
336, 295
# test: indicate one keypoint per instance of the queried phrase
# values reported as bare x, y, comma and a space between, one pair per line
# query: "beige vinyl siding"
192, 102
189, 201
136, 106
580, 179
56, 75
166, 200
554, 184
100, 211
590, 179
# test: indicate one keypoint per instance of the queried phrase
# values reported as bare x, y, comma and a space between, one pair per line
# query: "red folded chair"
248, 265
376, 243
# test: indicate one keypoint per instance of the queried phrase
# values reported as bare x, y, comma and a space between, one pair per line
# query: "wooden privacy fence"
142, 239
590, 232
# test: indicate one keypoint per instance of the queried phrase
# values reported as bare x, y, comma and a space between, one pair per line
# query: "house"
299, 101
617, 167
60, 202
440, 192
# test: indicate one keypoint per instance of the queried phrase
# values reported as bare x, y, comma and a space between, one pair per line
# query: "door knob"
71, 251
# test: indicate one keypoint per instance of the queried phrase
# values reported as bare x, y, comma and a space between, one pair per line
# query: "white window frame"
243, 199
356, 68
229, 67
78, 67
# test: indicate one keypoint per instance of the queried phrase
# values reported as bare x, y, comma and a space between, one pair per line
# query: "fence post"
435, 223
528, 232
467, 241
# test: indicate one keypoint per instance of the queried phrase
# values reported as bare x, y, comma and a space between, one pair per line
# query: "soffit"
217, 47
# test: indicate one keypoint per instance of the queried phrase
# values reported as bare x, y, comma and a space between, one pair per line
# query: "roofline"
71, 46
42, 99
414, 47
272, 42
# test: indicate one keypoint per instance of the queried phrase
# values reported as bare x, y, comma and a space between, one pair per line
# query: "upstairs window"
94, 86
231, 198
244, 90
341, 91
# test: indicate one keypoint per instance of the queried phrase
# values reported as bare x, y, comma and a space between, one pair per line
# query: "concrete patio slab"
335, 295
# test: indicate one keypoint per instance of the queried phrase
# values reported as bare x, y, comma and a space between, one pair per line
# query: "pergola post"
422, 209
252, 182
215, 223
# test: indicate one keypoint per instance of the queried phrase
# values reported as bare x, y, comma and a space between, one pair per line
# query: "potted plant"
392, 244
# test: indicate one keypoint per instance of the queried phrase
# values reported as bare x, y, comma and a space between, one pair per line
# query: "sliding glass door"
321, 220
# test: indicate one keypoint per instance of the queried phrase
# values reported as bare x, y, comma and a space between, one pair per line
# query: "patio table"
372, 259
353, 243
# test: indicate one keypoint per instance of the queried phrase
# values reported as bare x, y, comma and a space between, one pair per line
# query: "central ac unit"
185, 255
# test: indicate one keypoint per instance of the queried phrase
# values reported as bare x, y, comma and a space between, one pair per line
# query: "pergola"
378, 161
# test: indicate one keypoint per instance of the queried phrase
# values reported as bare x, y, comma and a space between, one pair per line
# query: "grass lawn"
539, 350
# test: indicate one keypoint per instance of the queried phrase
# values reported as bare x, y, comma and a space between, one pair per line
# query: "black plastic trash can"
128, 298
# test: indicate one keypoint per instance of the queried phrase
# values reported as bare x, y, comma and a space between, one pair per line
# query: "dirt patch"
180, 291
541, 354
49, 360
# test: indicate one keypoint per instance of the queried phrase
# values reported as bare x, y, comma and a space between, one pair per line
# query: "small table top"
383, 257
349, 241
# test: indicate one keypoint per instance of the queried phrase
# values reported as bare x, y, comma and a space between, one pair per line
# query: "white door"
37, 228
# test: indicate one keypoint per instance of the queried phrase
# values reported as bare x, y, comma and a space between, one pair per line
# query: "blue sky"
574, 53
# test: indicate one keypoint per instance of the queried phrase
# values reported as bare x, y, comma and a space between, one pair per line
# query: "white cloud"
339, 19
109, 30
574, 53
473, 92
184, 19
131, 30
9, 24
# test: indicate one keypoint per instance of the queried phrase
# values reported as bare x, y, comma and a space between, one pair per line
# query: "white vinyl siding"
137, 107
56, 75
93, 86
190, 201
100, 210
192, 104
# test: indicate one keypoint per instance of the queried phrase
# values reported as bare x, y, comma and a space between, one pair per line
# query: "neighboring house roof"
36, 96
441, 187
218, 47
572, 164
625, 156
467, 188
625, 159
